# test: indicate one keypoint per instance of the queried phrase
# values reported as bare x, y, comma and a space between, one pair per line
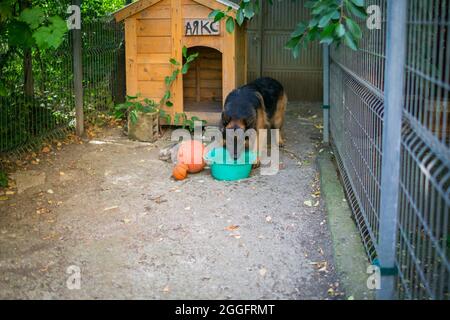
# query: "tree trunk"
28, 73
27, 60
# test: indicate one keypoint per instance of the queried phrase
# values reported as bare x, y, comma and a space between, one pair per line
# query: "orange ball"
180, 172
191, 153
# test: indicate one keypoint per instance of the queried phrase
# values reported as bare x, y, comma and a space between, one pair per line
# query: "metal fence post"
326, 93
78, 77
390, 175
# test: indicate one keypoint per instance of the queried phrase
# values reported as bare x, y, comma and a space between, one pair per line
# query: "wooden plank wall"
203, 82
267, 36
154, 49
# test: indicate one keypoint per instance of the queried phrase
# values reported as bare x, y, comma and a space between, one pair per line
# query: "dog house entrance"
202, 84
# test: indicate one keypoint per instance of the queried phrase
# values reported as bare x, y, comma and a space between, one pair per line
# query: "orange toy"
191, 153
180, 171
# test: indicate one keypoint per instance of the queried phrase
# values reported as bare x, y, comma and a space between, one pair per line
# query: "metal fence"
358, 118
25, 121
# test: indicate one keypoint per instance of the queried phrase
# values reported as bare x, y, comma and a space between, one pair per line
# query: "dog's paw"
257, 164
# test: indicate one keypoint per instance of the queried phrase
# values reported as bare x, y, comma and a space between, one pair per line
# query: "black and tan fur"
260, 104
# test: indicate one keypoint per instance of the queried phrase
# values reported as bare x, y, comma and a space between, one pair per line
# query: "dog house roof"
138, 6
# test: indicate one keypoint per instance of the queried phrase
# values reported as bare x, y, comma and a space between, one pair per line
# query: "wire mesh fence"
356, 125
28, 119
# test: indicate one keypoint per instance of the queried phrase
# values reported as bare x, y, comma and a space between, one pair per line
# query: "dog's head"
239, 114
240, 109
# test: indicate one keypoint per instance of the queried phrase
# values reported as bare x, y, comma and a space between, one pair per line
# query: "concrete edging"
349, 254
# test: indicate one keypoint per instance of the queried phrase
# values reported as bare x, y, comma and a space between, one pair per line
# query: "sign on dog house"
157, 30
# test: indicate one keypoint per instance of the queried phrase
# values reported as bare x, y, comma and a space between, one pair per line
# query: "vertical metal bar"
260, 39
390, 175
78, 77
326, 93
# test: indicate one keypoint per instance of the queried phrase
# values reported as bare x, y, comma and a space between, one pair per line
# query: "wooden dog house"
157, 30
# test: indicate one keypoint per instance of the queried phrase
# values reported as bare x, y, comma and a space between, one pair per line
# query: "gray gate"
390, 133
267, 33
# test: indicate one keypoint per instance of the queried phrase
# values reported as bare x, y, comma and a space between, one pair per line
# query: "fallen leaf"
110, 208
3, 198
232, 227
61, 173
308, 203
268, 218
126, 221
262, 272
50, 191
46, 149
9, 192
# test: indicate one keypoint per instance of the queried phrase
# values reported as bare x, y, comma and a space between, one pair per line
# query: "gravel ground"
110, 208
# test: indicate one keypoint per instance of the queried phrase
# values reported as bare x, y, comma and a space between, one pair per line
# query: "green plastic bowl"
225, 168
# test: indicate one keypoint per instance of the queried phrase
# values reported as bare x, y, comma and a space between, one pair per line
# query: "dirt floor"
110, 208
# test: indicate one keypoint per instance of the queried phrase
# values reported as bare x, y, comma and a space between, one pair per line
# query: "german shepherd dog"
260, 104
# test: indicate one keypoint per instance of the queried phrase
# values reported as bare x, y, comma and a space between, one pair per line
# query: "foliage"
169, 80
3, 179
133, 106
97, 9
182, 119
331, 22
51, 106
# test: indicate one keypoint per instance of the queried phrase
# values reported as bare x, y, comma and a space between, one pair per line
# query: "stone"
146, 127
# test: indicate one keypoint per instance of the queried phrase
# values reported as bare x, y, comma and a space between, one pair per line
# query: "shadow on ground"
110, 208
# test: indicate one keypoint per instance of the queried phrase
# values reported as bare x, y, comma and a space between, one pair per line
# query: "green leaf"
328, 31
230, 25
192, 57
184, 51
240, 16
168, 80
340, 30
51, 35
326, 19
185, 68
216, 15
19, 34
248, 11
174, 62
299, 30
169, 103
292, 43
356, 11
350, 42
3, 91
133, 116
213, 14
313, 22
32, 16
359, 3
354, 28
